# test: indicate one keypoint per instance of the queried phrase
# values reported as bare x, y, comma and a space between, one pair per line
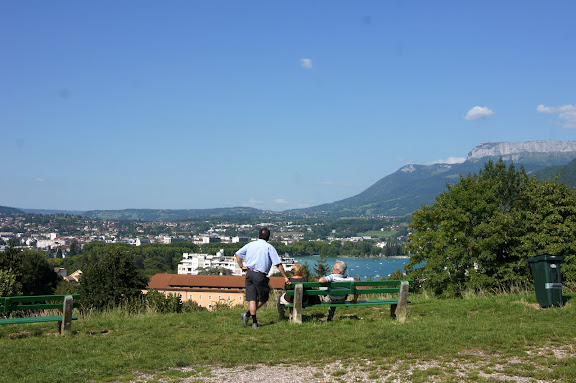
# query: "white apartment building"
192, 262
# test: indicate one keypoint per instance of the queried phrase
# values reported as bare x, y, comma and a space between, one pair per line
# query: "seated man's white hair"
341, 266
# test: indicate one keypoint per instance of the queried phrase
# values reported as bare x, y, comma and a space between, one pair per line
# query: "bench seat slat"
347, 284
374, 302
55, 318
40, 298
38, 306
323, 292
383, 290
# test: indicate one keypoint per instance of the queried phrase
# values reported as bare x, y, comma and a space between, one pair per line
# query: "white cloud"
306, 63
566, 114
254, 202
280, 201
478, 113
451, 160
338, 184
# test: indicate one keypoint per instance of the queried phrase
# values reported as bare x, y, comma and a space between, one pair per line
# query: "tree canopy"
112, 280
26, 272
479, 233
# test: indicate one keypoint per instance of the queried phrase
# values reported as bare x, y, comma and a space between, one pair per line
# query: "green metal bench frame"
355, 289
65, 303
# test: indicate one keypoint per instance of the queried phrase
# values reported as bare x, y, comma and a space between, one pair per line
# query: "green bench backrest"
346, 288
35, 302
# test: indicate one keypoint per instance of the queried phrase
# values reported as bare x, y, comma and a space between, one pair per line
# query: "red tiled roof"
163, 281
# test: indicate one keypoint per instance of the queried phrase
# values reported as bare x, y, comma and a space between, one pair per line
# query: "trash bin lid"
546, 258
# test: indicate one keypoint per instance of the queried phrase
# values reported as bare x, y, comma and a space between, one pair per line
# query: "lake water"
362, 268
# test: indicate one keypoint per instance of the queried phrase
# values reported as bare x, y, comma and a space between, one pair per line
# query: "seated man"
338, 275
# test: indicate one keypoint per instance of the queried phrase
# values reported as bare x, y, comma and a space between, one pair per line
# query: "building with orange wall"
206, 290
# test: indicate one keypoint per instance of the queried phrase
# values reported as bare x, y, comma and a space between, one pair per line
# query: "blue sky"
269, 104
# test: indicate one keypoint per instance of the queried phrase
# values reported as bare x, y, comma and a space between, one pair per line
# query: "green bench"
354, 290
65, 303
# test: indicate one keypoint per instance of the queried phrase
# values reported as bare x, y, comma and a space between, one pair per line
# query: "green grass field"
450, 340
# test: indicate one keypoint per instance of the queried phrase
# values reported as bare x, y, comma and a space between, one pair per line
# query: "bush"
161, 303
112, 282
397, 275
192, 306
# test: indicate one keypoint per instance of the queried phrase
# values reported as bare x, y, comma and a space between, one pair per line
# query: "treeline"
339, 248
351, 227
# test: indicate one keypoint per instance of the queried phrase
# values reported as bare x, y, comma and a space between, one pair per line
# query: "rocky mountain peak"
408, 168
506, 149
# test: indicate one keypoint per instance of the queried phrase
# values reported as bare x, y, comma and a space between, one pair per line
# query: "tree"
31, 270
74, 247
480, 231
321, 267
111, 281
9, 285
38, 276
214, 271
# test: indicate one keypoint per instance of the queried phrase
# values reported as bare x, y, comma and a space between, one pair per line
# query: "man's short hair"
341, 266
264, 234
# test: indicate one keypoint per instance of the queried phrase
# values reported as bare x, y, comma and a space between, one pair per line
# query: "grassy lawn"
475, 336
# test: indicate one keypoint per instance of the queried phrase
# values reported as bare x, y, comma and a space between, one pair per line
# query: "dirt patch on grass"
473, 365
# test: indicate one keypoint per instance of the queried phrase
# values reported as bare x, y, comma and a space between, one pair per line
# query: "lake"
362, 268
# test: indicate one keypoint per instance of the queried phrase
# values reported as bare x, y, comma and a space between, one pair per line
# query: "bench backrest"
35, 302
346, 288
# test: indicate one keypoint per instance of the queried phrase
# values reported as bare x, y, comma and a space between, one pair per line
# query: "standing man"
338, 275
256, 259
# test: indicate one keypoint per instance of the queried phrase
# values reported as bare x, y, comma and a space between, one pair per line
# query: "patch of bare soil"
473, 365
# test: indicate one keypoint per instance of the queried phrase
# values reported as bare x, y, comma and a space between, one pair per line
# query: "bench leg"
402, 302
297, 309
331, 312
393, 311
66, 325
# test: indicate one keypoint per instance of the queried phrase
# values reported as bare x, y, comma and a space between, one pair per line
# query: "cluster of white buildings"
193, 263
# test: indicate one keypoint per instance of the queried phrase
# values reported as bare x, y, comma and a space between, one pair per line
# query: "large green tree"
28, 272
479, 233
112, 280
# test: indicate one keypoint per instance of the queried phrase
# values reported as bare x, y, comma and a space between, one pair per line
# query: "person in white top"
338, 275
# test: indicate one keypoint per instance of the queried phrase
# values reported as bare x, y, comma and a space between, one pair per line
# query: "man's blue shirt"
259, 255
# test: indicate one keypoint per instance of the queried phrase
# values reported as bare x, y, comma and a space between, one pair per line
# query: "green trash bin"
547, 279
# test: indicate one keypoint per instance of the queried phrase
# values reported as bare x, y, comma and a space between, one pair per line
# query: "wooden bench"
353, 289
65, 303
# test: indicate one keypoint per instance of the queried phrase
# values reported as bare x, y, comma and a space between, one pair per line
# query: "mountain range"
397, 194
411, 186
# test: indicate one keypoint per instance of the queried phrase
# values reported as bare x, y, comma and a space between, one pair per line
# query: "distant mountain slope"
10, 210
50, 212
567, 173
174, 215
411, 186
152, 214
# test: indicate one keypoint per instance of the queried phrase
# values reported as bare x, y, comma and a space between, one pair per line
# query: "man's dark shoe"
245, 318
255, 325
